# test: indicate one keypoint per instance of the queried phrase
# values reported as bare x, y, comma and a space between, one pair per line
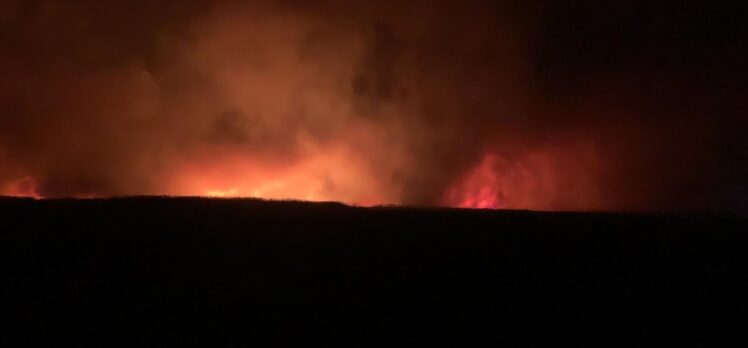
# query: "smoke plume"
530, 105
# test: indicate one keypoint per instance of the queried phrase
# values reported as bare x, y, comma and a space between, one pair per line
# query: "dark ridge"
160, 271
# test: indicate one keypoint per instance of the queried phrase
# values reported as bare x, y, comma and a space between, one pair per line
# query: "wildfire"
333, 174
553, 176
223, 194
539, 179
24, 187
480, 188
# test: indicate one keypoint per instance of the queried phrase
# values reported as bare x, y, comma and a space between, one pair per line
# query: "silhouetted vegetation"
167, 271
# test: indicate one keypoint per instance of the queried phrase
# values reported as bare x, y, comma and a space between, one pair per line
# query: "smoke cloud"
530, 105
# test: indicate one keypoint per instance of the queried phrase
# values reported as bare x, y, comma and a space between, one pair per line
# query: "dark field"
159, 271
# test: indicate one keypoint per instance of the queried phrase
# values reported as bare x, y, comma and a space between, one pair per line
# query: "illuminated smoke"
469, 104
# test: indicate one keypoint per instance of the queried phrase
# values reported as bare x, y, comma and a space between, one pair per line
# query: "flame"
480, 188
24, 187
333, 174
555, 176
233, 192
538, 179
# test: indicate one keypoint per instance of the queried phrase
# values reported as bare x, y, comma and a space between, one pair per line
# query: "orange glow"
552, 177
555, 177
481, 188
333, 174
223, 194
25, 187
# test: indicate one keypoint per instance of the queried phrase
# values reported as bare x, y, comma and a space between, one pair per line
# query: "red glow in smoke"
546, 178
552, 176
25, 187
480, 188
331, 174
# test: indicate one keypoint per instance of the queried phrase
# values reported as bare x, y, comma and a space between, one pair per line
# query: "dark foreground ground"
174, 272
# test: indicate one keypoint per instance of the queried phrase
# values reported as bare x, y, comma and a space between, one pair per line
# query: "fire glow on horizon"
494, 182
475, 104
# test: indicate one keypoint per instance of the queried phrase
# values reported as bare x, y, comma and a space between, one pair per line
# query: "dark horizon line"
394, 206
